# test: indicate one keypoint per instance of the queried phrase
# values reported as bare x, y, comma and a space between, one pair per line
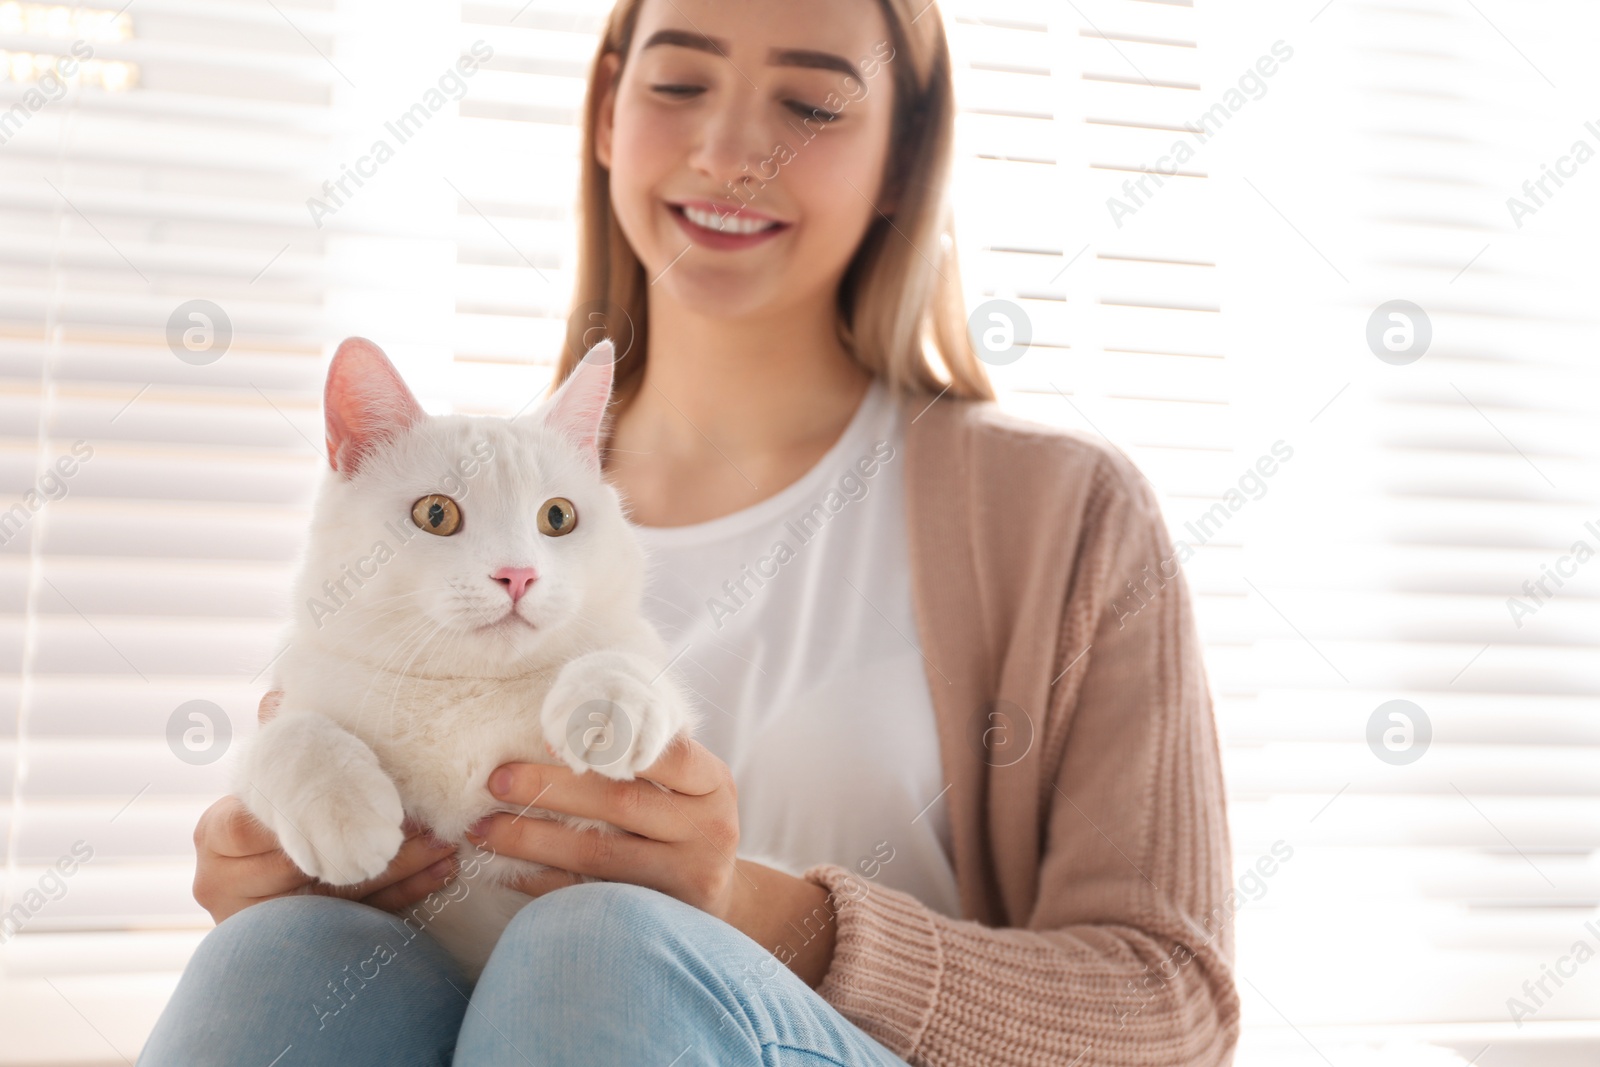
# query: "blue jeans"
602, 973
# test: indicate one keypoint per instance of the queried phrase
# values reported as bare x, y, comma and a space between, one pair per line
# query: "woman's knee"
326, 950
614, 940
315, 925
327, 975
578, 952
307, 911
600, 917
643, 971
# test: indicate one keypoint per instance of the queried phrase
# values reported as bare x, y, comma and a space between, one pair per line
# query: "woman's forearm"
789, 916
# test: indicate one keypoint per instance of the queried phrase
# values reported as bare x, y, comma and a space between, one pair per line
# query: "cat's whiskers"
446, 650
369, 617
402, 647
670, 604
472, 603
394, 671
413, 637
595, 625
403, 676
373, 619
391, 598
401, 633
386, 615
376, 629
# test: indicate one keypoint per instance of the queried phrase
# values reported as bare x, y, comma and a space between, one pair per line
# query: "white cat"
471, 589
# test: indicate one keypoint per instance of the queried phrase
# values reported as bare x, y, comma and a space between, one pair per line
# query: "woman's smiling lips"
723, 226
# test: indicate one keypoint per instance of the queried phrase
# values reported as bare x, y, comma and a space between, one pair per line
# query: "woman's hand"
681, 817
238, 861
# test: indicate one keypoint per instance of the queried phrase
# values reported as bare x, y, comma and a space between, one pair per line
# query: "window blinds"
1430, 880
1196, 298
1354, 526
153, 575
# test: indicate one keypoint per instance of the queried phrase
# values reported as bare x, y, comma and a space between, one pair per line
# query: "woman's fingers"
637, 806
246, 862
224, 885
600, 853
228, 829
417, 854
688, 767
410, 876
239, 862
414, 888
271, 874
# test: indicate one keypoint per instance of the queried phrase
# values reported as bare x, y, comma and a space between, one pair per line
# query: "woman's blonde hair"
900, 301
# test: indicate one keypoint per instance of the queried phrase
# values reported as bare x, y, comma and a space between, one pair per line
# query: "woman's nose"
731, 142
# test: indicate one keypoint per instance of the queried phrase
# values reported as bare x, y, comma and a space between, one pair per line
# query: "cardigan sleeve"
1126, 956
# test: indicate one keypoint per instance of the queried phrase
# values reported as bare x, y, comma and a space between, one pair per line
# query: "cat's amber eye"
437, 514
557, 517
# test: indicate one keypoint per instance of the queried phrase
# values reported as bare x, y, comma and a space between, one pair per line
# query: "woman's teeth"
730, 223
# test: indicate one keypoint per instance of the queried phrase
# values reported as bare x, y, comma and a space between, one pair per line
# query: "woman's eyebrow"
803, 57
777, 57
687, 39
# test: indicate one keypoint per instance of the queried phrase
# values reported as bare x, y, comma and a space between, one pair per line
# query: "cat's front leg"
614, 712
323, 792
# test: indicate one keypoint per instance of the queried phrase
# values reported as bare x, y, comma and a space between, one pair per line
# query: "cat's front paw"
348, 839
344, 837
600, 716
336, 813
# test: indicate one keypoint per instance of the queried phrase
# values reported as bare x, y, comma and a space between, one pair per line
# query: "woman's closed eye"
687, 91
678, 91
806, 111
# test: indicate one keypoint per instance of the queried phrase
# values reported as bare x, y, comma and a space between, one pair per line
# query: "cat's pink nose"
516, 580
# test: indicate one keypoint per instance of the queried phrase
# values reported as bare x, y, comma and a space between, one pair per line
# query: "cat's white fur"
411, 673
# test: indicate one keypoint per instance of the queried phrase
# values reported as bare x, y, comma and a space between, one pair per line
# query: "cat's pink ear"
366, 403
578, 410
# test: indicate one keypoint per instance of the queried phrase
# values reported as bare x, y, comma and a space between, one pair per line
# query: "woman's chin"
727, 291
722, 293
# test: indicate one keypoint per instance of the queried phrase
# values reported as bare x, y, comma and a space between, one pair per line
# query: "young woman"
958, 797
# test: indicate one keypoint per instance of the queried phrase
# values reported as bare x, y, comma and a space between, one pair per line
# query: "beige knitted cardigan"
1084, 782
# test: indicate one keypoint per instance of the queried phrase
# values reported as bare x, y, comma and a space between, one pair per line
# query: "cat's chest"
441, 762
443, 714
439, 739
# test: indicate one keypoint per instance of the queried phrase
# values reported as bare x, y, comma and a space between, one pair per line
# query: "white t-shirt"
802, 649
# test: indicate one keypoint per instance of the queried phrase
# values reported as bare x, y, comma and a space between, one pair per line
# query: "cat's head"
451, 545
